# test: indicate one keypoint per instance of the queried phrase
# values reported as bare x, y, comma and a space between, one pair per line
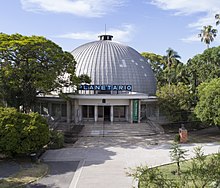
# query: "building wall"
99, 102
71, 110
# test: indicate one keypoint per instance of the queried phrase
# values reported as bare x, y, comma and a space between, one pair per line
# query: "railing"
52, 122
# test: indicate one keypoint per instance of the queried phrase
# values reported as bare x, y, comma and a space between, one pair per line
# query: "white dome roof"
112, 63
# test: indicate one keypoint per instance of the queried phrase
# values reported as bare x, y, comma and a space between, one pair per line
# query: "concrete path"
60, 175
104, 161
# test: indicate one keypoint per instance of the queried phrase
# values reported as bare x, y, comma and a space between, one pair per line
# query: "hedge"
22, 133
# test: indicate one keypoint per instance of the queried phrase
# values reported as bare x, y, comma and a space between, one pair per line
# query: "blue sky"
145, 25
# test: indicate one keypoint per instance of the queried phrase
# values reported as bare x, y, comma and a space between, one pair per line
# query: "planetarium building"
122, 86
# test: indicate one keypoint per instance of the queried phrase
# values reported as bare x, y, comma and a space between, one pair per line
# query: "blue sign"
106, 87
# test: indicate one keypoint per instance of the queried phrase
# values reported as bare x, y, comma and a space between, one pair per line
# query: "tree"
171, 59
208, 106
158, 65
201, 68
32, 65
207, 34
217, 17
177, 155
173, 74
174, 101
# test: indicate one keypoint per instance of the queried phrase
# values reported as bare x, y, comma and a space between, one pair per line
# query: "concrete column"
69, 111
96, 113
76, 111
111, 114
80, 113
131, 111
139, 111
127, 113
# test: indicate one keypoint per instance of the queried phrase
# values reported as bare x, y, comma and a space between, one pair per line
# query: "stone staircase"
118, 129
106, 129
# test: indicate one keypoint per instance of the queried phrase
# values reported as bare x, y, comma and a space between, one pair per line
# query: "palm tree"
217, 17
171, 59
207, 34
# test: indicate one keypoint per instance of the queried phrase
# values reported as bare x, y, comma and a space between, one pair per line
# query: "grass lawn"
169, 172
25, 176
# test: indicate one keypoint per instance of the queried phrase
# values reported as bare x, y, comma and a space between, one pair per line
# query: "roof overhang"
116, 96
142, 97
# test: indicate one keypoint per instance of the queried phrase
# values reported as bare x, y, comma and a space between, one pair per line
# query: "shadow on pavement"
59, 176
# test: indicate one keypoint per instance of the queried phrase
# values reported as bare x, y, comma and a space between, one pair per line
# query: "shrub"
177, 138
201, 171
22, 133
56, 139
151, 177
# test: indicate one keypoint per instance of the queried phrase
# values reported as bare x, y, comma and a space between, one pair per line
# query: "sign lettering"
106, 87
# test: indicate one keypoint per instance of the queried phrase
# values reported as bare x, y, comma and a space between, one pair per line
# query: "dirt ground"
211, 134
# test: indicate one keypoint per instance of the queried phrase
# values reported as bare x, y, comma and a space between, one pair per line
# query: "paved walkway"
104, 161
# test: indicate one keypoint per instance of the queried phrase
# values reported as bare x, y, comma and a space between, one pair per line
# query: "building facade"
123, 86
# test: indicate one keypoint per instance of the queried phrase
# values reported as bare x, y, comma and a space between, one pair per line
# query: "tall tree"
208, 106
171, 59
32, 65
158, 65
174, 101
207, 35
217, 17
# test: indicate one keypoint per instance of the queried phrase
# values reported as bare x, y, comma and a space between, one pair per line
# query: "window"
100, 111
56, 111
88, 111
63, 110
119, 111
84, 111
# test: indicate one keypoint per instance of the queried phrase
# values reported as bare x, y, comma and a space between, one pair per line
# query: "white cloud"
192, 38
122, 34
208, 8
85, 8
80, 36
188, 6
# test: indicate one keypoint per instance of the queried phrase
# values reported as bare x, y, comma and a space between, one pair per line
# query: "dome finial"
105, 36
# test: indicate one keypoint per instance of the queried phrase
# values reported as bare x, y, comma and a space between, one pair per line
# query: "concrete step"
117, 130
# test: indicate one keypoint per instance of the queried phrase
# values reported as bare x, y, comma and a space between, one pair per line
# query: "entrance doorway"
104, 113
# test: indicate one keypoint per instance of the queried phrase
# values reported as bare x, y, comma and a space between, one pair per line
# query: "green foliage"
56, 139
22, 133
151, 177
200, 172
174, 98
158, 65
177, 155
208, 34
204, 67
171, 60
167, 69
208, 107
177, 138
32, 65
203, 172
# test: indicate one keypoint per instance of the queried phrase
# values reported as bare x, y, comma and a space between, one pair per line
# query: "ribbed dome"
112, 63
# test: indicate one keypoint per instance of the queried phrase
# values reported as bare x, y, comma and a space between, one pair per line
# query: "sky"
145, 25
